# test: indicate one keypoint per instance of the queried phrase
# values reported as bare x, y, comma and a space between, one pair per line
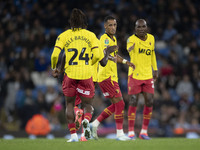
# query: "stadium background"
28, 30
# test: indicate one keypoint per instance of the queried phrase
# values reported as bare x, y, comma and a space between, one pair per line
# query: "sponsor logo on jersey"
148, 51
106, 94
83, 92
106, 41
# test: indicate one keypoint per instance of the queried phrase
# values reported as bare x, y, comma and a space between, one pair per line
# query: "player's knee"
149, 102
115, 100
122, 103
133, 100
92, 109
88, 108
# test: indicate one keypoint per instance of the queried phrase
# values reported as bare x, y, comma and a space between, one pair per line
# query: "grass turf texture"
101, 144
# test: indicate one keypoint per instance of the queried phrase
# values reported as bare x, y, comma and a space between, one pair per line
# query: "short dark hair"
109, 18
78, 19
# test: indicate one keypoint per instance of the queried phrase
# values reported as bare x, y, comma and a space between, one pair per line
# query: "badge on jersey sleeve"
128, 40
106, 41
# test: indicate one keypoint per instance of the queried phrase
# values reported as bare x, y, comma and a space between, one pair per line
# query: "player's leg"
133, 101
111, 90
119, 118
78, 117
82, 134
88, 111
119, 104
134, 88
107, 90
147, 112
69, 90
70, 118
148, 92
86, 92
105, 114
78, 113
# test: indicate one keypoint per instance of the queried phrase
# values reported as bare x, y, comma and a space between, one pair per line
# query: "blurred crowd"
29, 28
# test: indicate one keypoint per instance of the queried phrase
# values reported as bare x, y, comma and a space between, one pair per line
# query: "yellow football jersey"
142, 56
95, 69
95, 66
79, 45
110, 70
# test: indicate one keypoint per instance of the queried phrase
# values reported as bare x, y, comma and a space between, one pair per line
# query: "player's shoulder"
132, 37
87, 32
104, 36
66, 32
150, 36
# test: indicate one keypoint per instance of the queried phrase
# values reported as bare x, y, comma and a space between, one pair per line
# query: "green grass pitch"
101, 144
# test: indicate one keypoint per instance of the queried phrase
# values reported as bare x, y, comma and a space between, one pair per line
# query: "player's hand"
130, 65
131, 48
155, 76
55, 73
111, 49
114, 59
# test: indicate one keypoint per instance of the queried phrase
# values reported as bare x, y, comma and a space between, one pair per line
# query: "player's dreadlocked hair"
78, 19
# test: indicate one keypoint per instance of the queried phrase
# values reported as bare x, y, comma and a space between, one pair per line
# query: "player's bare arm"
130, 65
114, 59
155, 75
124, 61
107, 52
55, 73
62, 63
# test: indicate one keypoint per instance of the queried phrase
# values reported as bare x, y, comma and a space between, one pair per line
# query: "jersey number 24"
81, 57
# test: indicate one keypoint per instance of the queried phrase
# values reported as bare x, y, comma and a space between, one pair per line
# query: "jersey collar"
110, 37
141, 39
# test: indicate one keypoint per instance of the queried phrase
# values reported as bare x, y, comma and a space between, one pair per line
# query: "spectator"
185, 86
27, 27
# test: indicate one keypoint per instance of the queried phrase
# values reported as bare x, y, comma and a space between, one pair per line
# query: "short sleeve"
129, 43
60, 41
